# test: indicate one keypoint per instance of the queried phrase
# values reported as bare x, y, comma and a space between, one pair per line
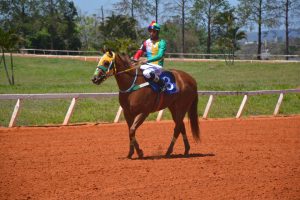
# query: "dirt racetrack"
254, 158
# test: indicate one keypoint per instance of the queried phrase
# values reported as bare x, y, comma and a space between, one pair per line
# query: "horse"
138, 102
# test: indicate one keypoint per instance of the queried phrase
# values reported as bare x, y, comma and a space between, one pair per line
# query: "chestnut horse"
137, 104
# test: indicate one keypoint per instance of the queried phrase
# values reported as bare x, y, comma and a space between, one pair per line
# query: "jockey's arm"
161, 52
140, 52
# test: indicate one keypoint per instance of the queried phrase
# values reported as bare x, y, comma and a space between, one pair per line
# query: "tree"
118, 26
89, 34
180, 8
288, 9
205, 11
228, 34
42, 24
118, 31
19, 15
60, 16
169, 32
259, 12
8, 41
137, 9
155, 8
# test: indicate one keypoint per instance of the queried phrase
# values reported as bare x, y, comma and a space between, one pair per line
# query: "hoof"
129, 155
168, 154
187, 150
186, 153
140, 154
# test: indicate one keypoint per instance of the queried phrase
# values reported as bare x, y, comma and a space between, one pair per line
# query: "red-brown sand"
254, 158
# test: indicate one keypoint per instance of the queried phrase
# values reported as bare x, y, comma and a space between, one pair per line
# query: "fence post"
118, 114
15, 114
242, 106
70, 112
208, 105
159, 116
278, 104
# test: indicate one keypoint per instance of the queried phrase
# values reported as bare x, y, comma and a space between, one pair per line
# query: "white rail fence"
87, 54
76, 96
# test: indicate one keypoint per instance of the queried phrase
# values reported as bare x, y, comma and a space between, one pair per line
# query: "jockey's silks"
155, 51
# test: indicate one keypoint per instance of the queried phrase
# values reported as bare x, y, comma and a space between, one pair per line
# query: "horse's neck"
127, 79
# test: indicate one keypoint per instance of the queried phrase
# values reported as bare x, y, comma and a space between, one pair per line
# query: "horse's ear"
103, 50
110, 52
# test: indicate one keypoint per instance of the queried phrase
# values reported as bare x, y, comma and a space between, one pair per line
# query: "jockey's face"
153, 34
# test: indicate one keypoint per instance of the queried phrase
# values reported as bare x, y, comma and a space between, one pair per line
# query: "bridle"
112, 67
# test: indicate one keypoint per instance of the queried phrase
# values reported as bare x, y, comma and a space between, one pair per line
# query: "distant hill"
273, 35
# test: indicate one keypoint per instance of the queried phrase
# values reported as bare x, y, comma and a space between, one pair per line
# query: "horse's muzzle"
96, 80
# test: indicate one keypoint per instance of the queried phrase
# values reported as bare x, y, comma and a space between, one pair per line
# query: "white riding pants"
149, 67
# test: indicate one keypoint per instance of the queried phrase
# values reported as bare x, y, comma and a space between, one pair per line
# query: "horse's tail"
194, 121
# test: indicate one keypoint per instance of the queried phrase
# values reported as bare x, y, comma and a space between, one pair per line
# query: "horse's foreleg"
129, 120
138, 120
134, 144
131, 148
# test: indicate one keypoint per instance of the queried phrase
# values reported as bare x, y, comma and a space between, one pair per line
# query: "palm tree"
228, 34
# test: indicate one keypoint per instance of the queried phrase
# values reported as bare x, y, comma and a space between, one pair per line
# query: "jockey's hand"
144, 61
133, 61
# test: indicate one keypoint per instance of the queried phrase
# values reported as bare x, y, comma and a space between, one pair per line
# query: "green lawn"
50, 75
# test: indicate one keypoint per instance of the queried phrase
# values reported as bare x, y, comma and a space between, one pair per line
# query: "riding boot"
160, 83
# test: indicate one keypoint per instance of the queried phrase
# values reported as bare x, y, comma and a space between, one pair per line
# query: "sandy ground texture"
254, 158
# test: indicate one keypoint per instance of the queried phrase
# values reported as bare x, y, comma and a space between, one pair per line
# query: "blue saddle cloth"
169, 80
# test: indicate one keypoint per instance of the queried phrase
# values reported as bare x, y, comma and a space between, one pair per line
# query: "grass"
51, 75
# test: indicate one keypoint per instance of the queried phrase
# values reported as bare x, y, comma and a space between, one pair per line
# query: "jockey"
155, 50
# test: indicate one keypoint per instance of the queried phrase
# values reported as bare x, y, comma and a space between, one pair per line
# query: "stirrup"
162, 85
163, 88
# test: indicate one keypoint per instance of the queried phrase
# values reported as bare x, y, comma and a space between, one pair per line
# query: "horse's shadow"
174, 156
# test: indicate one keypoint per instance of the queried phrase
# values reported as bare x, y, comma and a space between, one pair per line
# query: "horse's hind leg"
179, 128
185, 140
178, 115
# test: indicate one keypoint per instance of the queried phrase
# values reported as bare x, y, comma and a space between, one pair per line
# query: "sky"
93, 6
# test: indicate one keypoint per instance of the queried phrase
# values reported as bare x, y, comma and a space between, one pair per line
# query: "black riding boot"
160, 82
162, 85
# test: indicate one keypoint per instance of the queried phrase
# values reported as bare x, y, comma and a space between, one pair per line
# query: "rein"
133, 82
114, 69
126, 70
121, 72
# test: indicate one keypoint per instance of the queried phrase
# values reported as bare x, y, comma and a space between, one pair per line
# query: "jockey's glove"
133, 59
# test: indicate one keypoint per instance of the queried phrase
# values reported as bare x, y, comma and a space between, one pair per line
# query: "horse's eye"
106, 63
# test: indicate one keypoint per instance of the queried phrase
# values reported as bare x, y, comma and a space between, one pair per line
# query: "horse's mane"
127, 61
124, 58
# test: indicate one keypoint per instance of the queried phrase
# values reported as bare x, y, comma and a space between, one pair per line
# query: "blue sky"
93, 6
